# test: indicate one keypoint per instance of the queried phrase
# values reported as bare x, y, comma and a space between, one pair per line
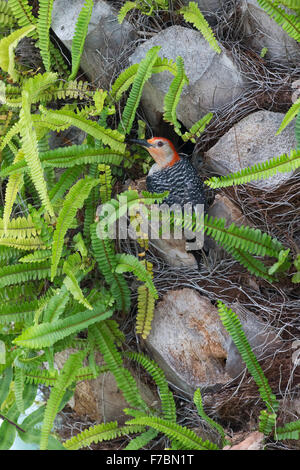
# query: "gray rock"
70, 136
224, 208
100, 398
107, 41
263, 340
252, 140
174, 252
214, 80
207, 6
263, 31
193, 348
188, 340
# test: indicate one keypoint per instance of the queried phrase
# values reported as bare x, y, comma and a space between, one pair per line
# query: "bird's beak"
143, 143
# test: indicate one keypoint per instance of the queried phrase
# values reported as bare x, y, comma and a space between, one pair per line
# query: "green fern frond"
105, 257
123, 82
80, 33
33, 243
71, 267
44, 229
116, 208
8, 254
192, 14
14, 185
56, 305
17, 311
63, 90
289, 116
68, 118
38, 85
19, 227
296, 276
282, 164
129, 263
41, 376
46, 334
5, 384
267, 421
8, 431
13, 131
43, 27
22, 12
65, 157
18, 388
86, 373
105, 183
6, 20
91, 204
58, 61
115, 333
100, 335
294, 4
37, 257
203, 415
289, 23
49, 378
197, 128
141, 441
145, 311
143, 74
126, 8
99, 433
248, 239
126, 78
187, 439
65, 380
163, 64
7, 47
6, 15
166, 396
73, 201
288, 431
254, 265
22, 293
283, 263
233, 325
24, 272
30, 149
65, 182
172, 97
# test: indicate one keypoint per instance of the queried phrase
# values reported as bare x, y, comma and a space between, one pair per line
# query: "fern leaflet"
78, 40
43, 27
65, 380
99, 433
46, 334
233, 325
282, 164
172, 97
142, 75
192, 14
186, 437
66, 118
290, 23
73, 201
289, 431
101, 337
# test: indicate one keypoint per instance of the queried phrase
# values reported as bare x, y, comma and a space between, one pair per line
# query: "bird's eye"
160, 143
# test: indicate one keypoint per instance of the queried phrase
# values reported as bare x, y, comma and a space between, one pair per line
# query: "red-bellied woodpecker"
172, 173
